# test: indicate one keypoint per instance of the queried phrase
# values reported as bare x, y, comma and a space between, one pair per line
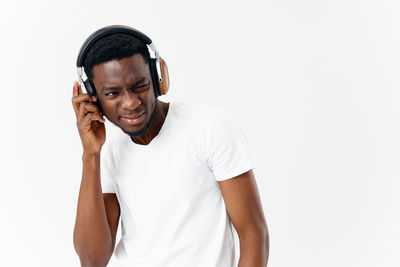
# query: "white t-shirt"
172, 210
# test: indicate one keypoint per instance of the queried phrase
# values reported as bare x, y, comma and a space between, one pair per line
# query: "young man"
176, 173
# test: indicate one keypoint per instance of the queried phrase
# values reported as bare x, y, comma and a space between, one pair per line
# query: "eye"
110, 93
143, 87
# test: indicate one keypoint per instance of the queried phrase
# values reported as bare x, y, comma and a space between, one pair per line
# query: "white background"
314, 84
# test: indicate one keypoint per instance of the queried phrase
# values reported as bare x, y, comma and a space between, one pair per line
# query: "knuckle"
86, 120
91, 107
94, 107
82, 105
90, 115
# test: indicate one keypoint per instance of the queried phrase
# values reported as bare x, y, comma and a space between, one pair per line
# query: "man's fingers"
87, 120
77, 100
85, 108
97, 117
75, 90
79, 89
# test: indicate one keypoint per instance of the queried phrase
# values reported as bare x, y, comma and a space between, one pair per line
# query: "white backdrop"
313, 84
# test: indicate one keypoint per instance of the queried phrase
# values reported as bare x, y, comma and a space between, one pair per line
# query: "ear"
164, 85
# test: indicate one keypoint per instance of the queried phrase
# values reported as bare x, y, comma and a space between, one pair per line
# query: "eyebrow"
131, 86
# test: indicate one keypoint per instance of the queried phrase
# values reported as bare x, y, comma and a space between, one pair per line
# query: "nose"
130, 101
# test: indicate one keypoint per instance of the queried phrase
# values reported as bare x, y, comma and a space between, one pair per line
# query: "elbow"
263, 233
92, 258
257, 233
266, 240
92, 255
266, 234
91, 263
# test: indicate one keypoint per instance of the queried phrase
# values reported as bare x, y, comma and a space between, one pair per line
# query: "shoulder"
197, 112
207, 122
203, 118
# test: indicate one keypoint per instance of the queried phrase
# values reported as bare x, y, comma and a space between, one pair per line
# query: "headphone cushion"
154, 77
164, 85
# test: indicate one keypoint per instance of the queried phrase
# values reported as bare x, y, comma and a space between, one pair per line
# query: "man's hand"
89, 121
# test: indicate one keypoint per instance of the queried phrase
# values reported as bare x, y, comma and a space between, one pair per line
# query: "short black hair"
114, 46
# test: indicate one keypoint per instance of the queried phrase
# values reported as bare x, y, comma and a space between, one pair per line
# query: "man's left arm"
243, 205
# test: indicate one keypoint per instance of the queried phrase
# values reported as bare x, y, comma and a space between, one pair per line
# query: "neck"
157, 121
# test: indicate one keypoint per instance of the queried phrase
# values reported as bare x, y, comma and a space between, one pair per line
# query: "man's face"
125, 91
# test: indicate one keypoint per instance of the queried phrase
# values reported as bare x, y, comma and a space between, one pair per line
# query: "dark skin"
124, 89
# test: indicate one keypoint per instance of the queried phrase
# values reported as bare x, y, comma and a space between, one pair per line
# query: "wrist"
90, 154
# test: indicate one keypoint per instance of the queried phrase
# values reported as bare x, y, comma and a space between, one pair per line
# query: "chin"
138, 132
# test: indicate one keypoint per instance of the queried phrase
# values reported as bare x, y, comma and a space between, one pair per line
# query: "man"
176, 173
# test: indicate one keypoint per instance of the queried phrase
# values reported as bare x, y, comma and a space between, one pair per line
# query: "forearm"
92, 236
254, 249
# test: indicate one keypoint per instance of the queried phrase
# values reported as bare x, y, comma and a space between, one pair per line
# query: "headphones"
158, 67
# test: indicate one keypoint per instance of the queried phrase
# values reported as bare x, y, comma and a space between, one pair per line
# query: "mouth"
135, 120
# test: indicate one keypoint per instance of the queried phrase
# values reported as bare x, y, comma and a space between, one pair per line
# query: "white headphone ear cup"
164, 85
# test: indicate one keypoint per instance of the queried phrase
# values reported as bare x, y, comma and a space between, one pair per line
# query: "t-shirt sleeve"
107, 169
229, 148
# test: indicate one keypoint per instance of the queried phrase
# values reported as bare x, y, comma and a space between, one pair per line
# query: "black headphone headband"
108, 31
156, 71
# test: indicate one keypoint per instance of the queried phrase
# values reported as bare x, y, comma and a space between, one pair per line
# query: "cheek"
152, 103
108, 107
149, 98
